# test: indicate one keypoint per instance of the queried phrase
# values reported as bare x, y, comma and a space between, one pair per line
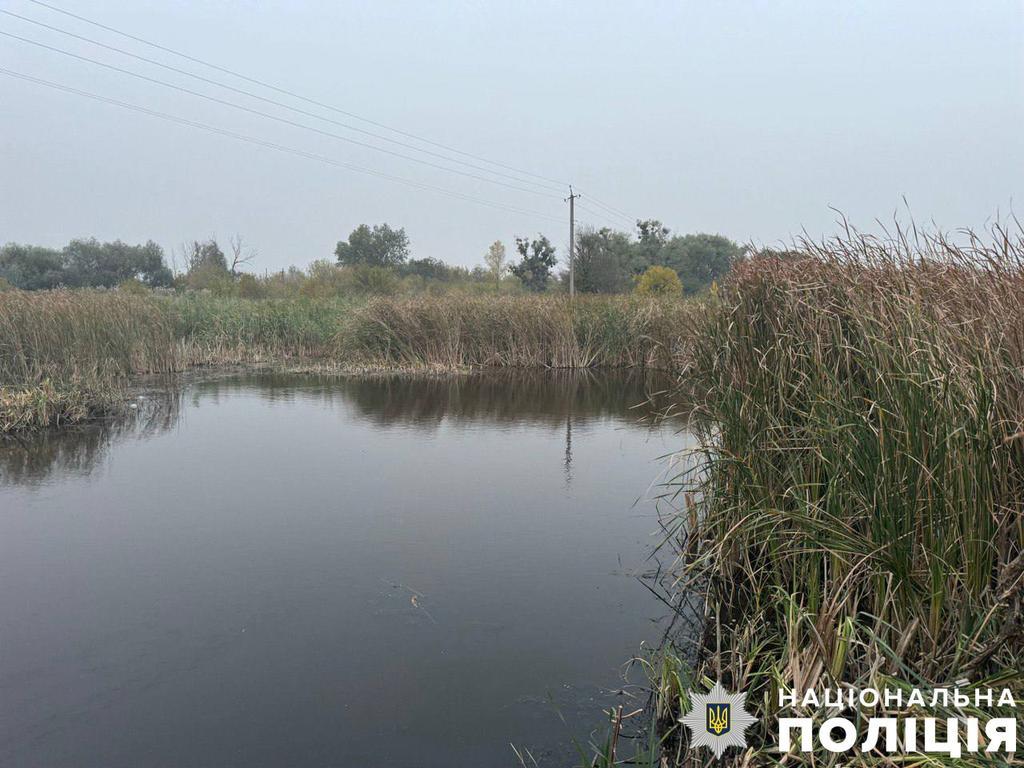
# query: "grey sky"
747, 119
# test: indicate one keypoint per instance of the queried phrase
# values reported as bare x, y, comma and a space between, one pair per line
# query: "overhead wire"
599, 215
275, 146
614, 211
270, 116
348, 126
609, 213
291, 93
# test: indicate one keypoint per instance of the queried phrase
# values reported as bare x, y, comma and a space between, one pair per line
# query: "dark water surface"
291, 571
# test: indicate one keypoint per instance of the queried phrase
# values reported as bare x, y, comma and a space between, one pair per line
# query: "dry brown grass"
85, 345
541, 331
84, 337
857, 517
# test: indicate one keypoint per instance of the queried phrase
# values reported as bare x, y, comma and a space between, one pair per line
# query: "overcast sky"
745, 119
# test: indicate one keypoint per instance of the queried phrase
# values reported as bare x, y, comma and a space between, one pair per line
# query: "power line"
294, 95
631, 220
268, 115
600, 215
275, 146
275, 102
615, 211
611, 209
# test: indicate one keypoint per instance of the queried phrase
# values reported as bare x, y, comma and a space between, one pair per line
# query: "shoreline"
74, 354
45, 406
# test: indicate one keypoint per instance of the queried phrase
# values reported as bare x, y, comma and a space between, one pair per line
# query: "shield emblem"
718, 720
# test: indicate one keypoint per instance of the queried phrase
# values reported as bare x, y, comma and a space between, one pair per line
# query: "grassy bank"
64, 356
856, 517
70, 354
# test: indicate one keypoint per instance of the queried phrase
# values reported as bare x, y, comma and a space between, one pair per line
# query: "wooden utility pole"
572, 242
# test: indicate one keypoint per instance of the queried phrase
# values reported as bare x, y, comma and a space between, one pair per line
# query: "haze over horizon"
649, 107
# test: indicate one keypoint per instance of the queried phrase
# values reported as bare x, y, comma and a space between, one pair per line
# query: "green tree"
537, 259
84, 263
205, 255
31, 267
431, 269
659, 281
651, 238
381, 246
207, 267
323, 279
603, 261
90, 263
495, 261
781, 254
700, 259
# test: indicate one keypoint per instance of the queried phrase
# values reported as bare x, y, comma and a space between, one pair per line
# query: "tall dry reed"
552, 332
856, 519
88, 337
67, 354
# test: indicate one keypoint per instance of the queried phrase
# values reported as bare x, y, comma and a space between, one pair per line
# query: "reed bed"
548, 332
66, 355
82, 337
855, 518
218, 330
44, 405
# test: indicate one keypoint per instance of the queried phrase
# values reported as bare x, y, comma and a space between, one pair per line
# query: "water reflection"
511, 396
77, 451
274, 571
557, 399
524, 396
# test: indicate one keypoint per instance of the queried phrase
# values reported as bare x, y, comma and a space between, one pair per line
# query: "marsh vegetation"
69, 354
854, 515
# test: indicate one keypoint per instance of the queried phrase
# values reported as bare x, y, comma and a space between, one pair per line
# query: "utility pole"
572, 242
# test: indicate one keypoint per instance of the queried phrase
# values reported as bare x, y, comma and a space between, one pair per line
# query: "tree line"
378, 259
84, 264
606, 260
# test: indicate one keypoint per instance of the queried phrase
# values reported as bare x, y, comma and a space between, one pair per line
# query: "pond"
268, 570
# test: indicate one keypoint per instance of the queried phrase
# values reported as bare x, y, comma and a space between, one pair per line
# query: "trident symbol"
718, 718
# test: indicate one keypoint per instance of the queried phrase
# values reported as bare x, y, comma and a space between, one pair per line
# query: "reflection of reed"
555, 399
32, 458
504, 397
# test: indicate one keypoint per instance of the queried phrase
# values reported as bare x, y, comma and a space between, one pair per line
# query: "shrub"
363, 279
132, 286
324, 280
249, 287
659, 281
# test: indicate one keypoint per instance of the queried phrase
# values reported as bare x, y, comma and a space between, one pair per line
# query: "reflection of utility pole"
568, 448
572, 242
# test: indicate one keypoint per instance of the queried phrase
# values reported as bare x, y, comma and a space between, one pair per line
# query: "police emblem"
717, 719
